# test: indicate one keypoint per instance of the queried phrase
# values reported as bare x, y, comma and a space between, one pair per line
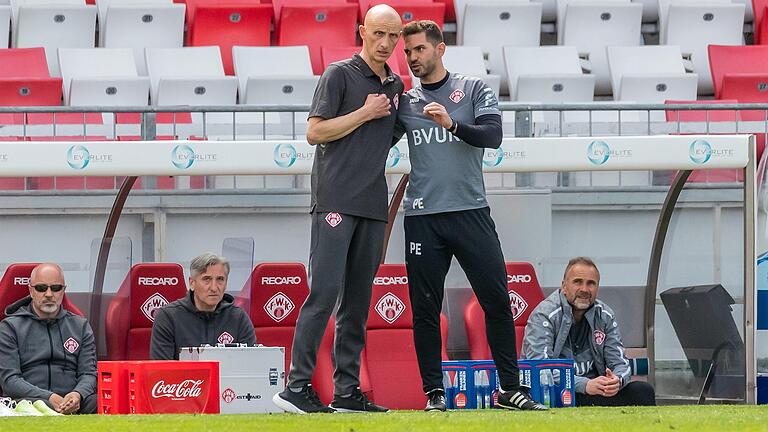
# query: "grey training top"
348, 174
446, 173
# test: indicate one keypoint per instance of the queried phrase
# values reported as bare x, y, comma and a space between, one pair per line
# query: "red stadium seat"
732, 60
273, 296
317, 26
129, 318
524, 295
389, 352
227, 25
409, 10
14, 286
277, 5
760, 25
26, 81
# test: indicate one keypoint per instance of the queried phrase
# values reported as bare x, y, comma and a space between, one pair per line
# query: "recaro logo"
21, 281
156, 281
523, 278
390, 280
281, 280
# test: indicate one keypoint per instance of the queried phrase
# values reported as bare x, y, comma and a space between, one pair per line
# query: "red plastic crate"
113, 387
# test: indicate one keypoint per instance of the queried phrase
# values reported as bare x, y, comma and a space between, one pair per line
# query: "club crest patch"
599, 337
71, 345
225, 338
390, 307
333, 219
456, 96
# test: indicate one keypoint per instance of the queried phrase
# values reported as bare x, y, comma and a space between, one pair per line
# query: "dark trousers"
343, 261
635, 393
430, 243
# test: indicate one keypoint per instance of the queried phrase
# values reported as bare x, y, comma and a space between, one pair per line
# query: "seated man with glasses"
47, 353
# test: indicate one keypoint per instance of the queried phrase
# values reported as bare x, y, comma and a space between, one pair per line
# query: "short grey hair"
580, 260
201, 263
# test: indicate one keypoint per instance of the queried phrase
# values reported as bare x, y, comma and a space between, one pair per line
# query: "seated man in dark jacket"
205, 316
46, 352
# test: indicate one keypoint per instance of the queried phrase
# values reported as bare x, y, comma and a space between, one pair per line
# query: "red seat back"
409, 10
524, 295
273, 297
128, 323
760, 26
390, 354
228, 25
744, 59
14, 286
317, 26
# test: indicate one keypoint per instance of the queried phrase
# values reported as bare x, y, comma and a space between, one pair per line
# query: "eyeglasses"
41, 288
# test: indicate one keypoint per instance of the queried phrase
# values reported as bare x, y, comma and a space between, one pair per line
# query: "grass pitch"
677, 418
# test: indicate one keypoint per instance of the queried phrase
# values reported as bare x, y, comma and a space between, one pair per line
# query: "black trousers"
635, 393
430, 243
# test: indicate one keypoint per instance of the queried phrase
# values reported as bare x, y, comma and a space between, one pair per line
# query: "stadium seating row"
273, 296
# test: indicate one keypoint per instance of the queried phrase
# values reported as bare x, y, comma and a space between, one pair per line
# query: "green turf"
687, 418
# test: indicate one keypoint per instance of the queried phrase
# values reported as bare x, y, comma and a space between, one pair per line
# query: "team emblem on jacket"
396, 101
599, 337
518, 304
225, 338
456, 96
279, 306
333, 219
152, 304
390, 307
71, 345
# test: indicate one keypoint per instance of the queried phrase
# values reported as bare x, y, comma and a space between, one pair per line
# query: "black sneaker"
436, 400
356, 402
519, 400
304, 402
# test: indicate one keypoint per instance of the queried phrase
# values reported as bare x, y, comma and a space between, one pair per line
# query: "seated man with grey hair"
206, 315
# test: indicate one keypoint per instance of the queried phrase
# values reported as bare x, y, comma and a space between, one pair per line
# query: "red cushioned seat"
524, 295
273, 297
730, 60
14, 285
316, 26
227, 25
128, 323
389, 353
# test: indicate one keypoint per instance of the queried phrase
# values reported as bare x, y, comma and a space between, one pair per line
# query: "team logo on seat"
456, 96
333, 219
518, 304
152, 304
599, 337
228, 395
71, 345
279, 306
390, 307
225, 338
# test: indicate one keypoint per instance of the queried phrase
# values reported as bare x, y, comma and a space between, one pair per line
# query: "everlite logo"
180, 391
279, 306
701, 152
390, 280
21, 281
280, 280
79, 157
286, 155
183, 156
598, 152
152, 304
390, 307
494, 157
156, 281
395, 156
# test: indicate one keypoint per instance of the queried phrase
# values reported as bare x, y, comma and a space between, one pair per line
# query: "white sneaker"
7, 406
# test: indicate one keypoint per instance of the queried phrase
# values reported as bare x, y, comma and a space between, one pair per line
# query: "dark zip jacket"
39, 357
181, 324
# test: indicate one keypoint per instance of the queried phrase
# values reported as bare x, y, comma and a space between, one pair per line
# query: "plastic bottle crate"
474, 384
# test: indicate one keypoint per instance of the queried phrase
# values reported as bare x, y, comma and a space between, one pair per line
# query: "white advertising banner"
127, 158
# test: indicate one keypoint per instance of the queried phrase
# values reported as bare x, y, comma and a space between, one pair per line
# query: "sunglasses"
41, 288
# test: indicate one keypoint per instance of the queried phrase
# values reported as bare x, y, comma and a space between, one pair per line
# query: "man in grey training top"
351, 121
449, 121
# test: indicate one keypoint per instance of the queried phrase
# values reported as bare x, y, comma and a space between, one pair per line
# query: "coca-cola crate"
173, 387
113, 387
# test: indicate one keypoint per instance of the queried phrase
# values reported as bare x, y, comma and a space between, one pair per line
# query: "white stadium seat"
102, 76
143, 26
54, 27
103, 6
461, 11
492, 27
693, 27
591, 26
542, 61
468, 60
271, 61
